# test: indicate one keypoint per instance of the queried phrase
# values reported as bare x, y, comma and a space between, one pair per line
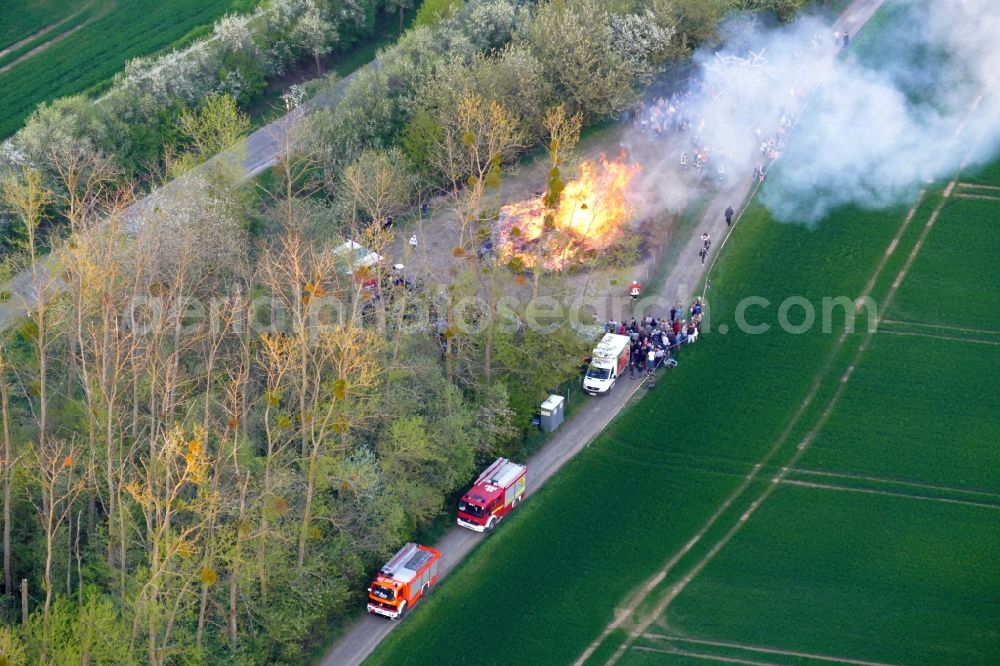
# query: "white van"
607, 363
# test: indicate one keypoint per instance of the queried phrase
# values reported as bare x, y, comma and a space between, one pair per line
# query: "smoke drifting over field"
868, 133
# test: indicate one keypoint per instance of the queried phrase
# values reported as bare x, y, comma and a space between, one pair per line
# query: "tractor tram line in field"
978, 191
707, 657
950, 338
887, 493
939, 331
877, 481
753, 649
950, 327
45, 45
41, 33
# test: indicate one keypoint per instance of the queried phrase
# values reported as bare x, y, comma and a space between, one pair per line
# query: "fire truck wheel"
490, 525
402, 611
425, 590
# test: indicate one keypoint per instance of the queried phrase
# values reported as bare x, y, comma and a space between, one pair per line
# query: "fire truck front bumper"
472, 526
386, 612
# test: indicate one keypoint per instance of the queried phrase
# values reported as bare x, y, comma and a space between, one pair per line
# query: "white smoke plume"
868, 127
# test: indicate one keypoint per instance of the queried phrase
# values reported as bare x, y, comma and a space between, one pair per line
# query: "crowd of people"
664, 117
656, 341
771, 147
670, 116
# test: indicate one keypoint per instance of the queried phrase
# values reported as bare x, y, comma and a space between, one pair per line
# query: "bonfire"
590, 216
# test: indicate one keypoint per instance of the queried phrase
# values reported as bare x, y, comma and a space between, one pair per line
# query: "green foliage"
418, 138
216, 125
621, 254
91, 633
430, 453
554, 189
783, 9
432, 12
290, 620
534, 363
570, 41
12, 649
696, 20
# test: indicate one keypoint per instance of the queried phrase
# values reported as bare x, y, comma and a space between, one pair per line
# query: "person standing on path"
729, 216
703, 253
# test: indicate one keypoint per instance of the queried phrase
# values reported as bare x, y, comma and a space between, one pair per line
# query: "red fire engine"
403, 580
495, 493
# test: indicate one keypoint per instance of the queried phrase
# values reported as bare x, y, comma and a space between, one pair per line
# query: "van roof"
610, 346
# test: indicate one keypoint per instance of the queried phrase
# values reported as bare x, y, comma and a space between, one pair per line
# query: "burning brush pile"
590, 216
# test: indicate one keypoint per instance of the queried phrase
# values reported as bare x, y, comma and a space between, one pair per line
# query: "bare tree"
60, 480
378, 183
166, 485
28, 196
476, 136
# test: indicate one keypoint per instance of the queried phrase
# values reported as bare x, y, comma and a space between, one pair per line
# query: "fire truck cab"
403, 580
496, 492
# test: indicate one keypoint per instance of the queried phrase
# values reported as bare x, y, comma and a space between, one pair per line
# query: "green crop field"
946, 285
104, 34
953, 383
779, 498
23, 18
848, 575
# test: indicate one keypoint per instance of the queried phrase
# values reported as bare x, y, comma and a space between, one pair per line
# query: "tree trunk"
43, 363
49, 536
8, 461
202, 607
8, 574
69, 558
24, 601
79, 565
304, 382
307, 509
234, 569
111, 508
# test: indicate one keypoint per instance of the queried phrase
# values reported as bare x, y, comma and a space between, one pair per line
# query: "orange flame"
589, 217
